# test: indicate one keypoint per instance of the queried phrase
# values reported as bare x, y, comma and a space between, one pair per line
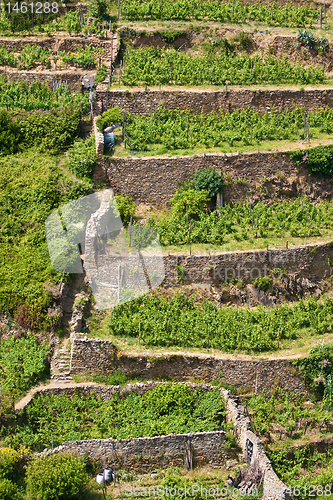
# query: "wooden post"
321, 17
287, 244
130, 230
118, 9
124, 129
120, 71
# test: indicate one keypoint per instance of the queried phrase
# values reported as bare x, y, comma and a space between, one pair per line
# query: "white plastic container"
100, 478
108, 476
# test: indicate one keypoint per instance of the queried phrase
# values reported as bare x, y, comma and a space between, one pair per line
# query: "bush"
8, 459
51, 131
55, 477
126, 207
319, 160
97, 8
191, 203
10, 135
208, 180
101, 74
82, 157
317, 367
109, 117
9, 490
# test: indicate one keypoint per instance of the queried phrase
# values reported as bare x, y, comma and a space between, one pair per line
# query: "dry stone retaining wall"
153, 181
262, 100
91, 355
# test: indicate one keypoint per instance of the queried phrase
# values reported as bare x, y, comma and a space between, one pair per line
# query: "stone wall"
304, 262
89, 355
99, 138
153, 181
73, 79
253, 452
262, 100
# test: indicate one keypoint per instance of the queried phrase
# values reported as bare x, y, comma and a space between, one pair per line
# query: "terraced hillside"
223, 156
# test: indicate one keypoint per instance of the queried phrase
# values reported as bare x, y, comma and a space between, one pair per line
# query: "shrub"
306, 39
10, 135
317, 367
191, 202
108, 118
208, 180
319, 160
97, 8
55, 477
51, 131
264, 282
82, 157
9, 490
8, 459
126, 207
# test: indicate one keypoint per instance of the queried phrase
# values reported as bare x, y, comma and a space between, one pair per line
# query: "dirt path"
52, 385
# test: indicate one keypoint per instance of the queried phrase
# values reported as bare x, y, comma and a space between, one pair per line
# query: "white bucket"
100, 478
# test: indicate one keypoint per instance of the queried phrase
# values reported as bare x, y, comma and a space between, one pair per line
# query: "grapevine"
153, 66
224, 12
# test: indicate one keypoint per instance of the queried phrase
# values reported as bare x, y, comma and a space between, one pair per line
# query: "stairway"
60, 364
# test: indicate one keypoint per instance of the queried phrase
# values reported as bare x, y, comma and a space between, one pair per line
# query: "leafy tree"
190, 202
57, 477
10, 134
109, 117
208, 180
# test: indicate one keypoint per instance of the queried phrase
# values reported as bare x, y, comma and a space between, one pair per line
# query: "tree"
189, 202
208, 180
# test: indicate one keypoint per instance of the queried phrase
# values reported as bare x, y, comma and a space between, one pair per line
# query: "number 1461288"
37, 8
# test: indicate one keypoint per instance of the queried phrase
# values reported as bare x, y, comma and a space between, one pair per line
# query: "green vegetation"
126, 207
298, 218
56, 477
23, 363
32, 55
166, 66
165, 410
238, 12
31, 187
177, 129
317, 368
307, 39
38, 96
208, 180
305, 469
49, 23
108, 118
179, 322
82, 157
318, 160
48, 131
287, 413
101, 74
